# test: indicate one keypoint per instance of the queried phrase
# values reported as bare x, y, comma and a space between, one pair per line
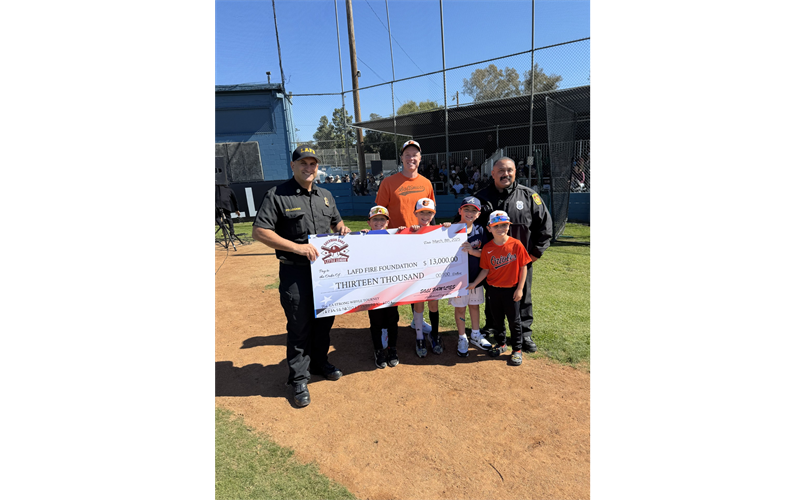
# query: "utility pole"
341, 73
444, 82
353, 59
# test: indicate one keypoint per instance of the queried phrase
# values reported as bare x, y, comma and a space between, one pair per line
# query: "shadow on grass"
565, 243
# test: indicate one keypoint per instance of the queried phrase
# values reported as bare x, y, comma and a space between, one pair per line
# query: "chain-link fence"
491, 112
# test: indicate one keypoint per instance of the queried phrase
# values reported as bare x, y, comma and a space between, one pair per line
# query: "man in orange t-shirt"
503, 264
400, 192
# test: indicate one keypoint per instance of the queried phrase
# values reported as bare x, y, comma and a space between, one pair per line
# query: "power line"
370, 69
398, 43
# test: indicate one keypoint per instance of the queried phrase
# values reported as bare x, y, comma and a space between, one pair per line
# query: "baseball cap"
425, 204
378, 210
304, 152
410, 143
471, 201
499, 217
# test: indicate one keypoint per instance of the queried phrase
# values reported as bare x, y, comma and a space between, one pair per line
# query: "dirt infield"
441, 427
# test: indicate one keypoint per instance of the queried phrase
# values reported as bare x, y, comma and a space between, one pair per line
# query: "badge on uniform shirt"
326, 201
536, 199
520, 205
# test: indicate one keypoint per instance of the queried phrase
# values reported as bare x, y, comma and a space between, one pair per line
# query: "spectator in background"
434, 180
471, 186
430, 170
462, 175
358, 187
445, 183
577, 181
371, 186
458, 188
490, 146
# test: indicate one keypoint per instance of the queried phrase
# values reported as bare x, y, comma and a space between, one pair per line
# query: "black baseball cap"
304, 152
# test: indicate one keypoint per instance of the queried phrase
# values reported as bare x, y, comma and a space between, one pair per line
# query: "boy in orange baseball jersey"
425, 211
503, 264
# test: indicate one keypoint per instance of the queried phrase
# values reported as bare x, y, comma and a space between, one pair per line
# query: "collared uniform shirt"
531, 222
293, 213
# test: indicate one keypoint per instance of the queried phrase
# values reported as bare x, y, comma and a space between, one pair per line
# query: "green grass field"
250, 466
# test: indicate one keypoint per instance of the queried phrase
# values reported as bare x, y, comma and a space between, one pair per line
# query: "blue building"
254, 131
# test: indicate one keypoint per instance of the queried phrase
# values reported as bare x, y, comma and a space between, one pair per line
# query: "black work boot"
327, 371
301, 396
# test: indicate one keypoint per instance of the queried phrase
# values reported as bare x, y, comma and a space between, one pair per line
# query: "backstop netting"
561, 122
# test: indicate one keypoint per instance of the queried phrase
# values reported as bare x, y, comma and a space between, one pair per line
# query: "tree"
344, 135
542, 82
492, 83
380, 142
336, 134
324, 134
412, 107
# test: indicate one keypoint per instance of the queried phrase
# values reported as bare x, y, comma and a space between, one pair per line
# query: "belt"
294, 263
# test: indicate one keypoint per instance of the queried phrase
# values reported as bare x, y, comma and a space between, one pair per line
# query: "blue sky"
246, 47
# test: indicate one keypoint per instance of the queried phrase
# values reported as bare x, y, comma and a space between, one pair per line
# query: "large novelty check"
378, 269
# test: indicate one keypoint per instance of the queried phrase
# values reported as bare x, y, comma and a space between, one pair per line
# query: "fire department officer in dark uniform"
531, 224
289, 213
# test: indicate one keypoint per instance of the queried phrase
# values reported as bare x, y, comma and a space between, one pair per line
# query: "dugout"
468, 125
565, 112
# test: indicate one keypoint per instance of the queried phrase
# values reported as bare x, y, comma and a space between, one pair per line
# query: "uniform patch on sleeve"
537, 200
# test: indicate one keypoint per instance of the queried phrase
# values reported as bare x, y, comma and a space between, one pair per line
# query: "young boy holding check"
385, 318
503, 264
469, 210
425, 211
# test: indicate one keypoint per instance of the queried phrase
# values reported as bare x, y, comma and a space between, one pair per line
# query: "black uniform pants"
387, 318
308, 338
502, 306
526, 309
